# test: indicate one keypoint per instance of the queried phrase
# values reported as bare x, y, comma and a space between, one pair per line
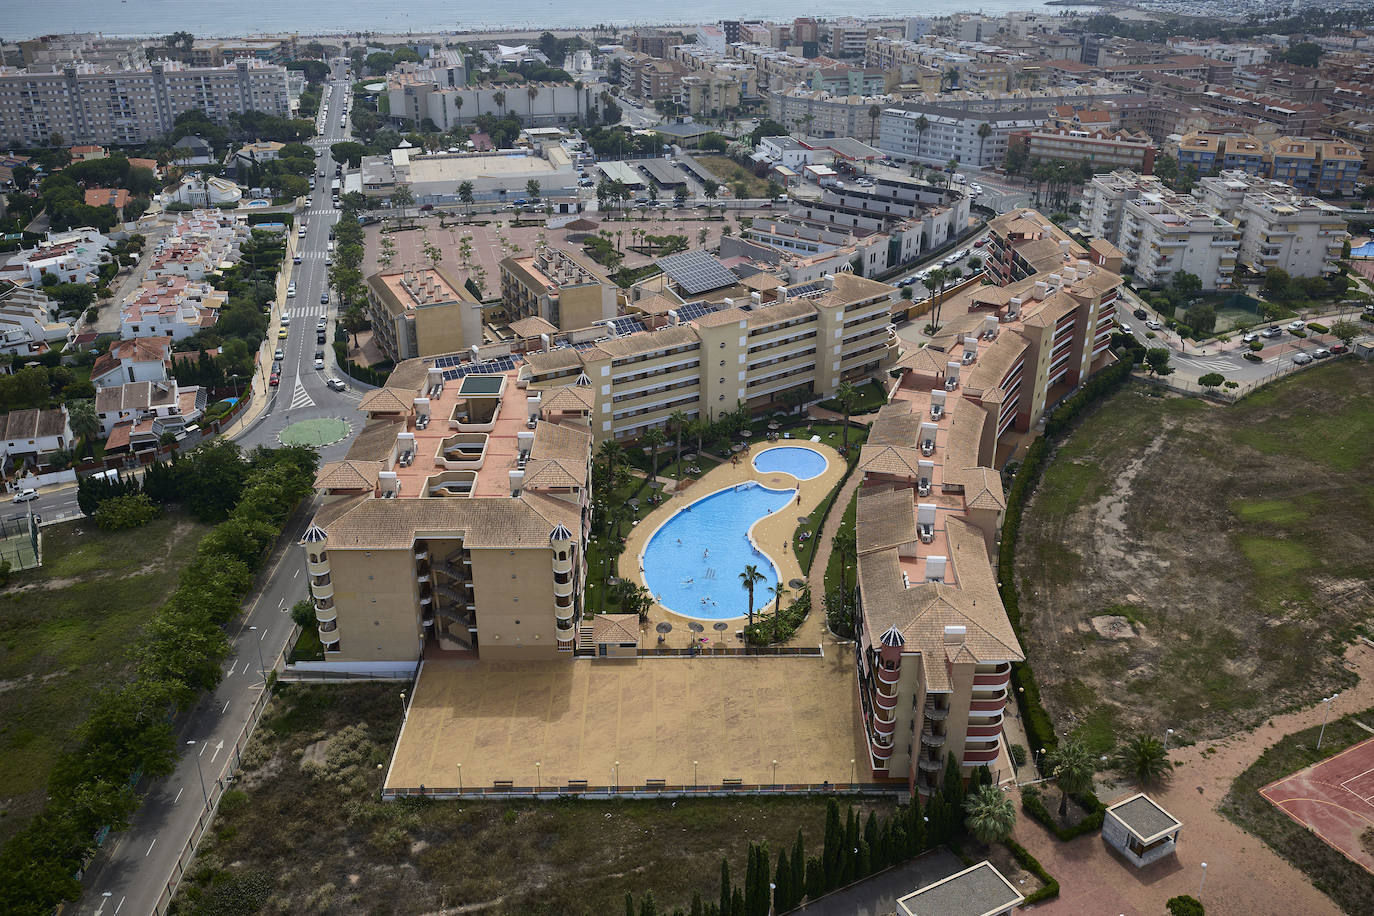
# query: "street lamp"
538, 775
1203, 881
381, 777
694, 775
1167, 733
403, 705
775, 772
615, 775
1328, 701
460, 779
851, 772
204, 794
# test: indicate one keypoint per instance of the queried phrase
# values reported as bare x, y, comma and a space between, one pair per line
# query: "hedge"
1319, 328
1049, 886
179, 656
1034, 805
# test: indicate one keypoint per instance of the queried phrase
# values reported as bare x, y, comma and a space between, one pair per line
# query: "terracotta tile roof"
648, 341
410, 375
885, 518
721, 318
119, 436
532, 327
548, 473
568, 398
553, 360
924, 360
557, 440
995, 359
384, 400
482, 522
376, 441
781, 311
348, 475
966, 425
889, 459
982, 488
617, 628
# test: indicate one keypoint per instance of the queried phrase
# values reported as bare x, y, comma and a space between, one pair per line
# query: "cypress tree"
737, 903
851, 846
712, 909
629, 904
647, 906
915, 827
815, 877
697, 908
984, 775
782, 883
834, 840
882, 853
764, 898
798, 869
871, 830
751, 877
724, 888
953, 788
863, 864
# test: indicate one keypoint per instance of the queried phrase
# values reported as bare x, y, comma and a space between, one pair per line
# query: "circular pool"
801, 462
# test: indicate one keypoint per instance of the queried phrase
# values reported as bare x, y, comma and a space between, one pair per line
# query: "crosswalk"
300, 398
309, 310
322, 211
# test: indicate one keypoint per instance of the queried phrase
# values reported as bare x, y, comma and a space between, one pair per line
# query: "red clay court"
1334, 798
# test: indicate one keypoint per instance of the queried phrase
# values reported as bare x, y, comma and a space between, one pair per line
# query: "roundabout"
315, 433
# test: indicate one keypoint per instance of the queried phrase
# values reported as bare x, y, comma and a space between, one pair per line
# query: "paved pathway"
878, 895
1243, 875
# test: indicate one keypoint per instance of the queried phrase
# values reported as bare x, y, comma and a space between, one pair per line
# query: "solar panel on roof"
623, 326
696, 271
806, 289
694, 310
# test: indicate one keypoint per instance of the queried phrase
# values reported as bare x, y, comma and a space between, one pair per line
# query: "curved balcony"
888, 675
324, 604
988, 705
926, 765
329, 632
936, 713
562, 589
462, 451
999, 676
562, 614
983, 731
932, 740
323, 590
880, 751
451, 484
977, 757
884, 701
563, 567
318, 567
325, 614
884, 728
989, 693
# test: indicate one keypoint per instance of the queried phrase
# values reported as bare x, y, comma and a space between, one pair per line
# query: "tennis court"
1334, 799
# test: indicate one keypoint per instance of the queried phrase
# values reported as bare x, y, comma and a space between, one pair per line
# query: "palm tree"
874, 112
653, 437
577, 87
922, 125
984, 131
500, 99
1143, 757
533, 93
677, 424
748, 579
465, 194
84, 422
777, 593
1071, 768
844, 542
609, 452
989, 815
848, 397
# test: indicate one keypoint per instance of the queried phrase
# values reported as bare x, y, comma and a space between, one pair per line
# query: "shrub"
1212, 380
1049, 886
1319, 328
1034, 805
1256, 346
1253, 357
1018, 755
1298, 333
132, 510
1185, 905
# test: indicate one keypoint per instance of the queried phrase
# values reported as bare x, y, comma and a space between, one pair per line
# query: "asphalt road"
130, 874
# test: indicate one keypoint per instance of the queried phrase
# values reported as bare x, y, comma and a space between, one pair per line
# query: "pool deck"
770, 535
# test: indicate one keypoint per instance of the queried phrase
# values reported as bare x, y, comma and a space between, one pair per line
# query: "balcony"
329, 632
324, 604
930, 739
983, 731
883, 727
421, 554
562, 614
423, 577
976, 757
884, 701
318, 567
996, 705
325, 614
888, 675
927, 765
322, 589
880, 751
936, 713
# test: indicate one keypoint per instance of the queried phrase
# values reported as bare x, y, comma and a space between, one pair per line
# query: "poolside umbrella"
746, 433
803, 518
737, 447
694, 626
796, 583
664, 627
720, 625
774, 425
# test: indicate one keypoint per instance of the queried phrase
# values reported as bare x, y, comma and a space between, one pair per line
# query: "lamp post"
1167, 733
1327, 701
694, 775
403, 706
203, 794
381, 780
460, 779
538, 775
615, 775
775, 772
1203, 881
851, 772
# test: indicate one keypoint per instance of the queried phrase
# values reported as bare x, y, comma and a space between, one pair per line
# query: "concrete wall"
376, 598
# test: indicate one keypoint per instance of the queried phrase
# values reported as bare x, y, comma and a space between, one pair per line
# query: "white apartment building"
1163, 233
89, 104
849, 36
169, 307
74, 256
820, 114
951, 133
199, 243
26, 322
1279, 227
412, 100
1105, 197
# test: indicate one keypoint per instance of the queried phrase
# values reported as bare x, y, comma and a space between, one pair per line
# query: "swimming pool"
801, 462
692, 563
1364, 251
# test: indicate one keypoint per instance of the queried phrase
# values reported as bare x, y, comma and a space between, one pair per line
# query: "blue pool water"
692, 563
802, 463
1364, 251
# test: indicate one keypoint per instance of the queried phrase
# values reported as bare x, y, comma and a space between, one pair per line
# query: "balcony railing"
930, 739
888, 675
936, 713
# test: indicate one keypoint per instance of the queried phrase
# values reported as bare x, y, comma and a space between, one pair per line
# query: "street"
130, 874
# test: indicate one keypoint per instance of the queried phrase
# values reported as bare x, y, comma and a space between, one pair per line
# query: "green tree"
532, 189
1144, 759
387, 253
1185, 905
989, 815
984, 131
782, 883
1185, 286
680, 195
1277, 282
1211, 380
677, 427
654, 438
777, 593
132, 510
348, 151
1345, 331
798, 869
725, 887
844, 544
1201, 317
711, 188
748, 579
401, 198
848, 397
1071, 768
1303, 54
465, 193
84, 422
1157, 361
1166, 167
303, 615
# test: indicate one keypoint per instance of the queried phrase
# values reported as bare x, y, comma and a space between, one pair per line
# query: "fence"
1223, 394
220, 785
653, 788
730, 651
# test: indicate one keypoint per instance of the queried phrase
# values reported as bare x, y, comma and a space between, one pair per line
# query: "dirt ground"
1201, 568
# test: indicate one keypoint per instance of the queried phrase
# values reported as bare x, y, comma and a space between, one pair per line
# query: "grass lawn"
730, 172
308, 647
305, 828
65, 633
871, 397
1235, 540
835, 565
831, 434
1349, 885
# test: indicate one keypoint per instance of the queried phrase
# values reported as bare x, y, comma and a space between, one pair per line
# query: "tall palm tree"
848, 396
984, 131
577, 87
1071, 768
989, 815
1143, 758
748, 579
874, 112
777, 593
609, 452
845, 542
500, 99
84, 422
533, 93
653, 437
677, 424
922, 125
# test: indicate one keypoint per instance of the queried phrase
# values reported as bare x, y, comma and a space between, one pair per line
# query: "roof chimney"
935, 572
517, 482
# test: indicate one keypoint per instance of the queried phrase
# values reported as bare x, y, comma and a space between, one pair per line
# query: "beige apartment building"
456, 524
422, 311
1279, 227
740, 345
90, 104
935, 646
564, 289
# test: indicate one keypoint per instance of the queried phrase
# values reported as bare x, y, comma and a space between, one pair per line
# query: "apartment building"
137, 359
1323, 167
1103, 148
170, 306
1279, 227
849, 37
1023, 243
1163, 233
1104, 200
422, 311
90, 104
554, 284
414, 96
820, 114
709, 93
935, 646
936, 134
74, 256
146, 410
1206, 151
457, 524
705, 354
701, 60
28, 322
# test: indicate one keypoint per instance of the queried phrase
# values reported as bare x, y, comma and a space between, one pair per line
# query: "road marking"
218, 747
296, 574
300, 398
178, 798
121, 903
226, 707
202, 744
232, 669
150, 847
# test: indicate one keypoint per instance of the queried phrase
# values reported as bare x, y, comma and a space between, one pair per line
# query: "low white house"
74, 256
200, 191
1139, 829
138, 359
30, 435
140, 402
27, 324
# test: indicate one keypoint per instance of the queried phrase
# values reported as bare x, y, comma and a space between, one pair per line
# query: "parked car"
1125, 328
1270, 332
324, 298
1141, 314
274, 381
279, 355
1250, 337
25, 495
1296, 326
296, 259
319, 338
1301, 359
1153, 325
1338, 348
336, 384
285, 318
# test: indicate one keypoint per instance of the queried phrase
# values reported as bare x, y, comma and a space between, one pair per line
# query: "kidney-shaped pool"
693, 561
